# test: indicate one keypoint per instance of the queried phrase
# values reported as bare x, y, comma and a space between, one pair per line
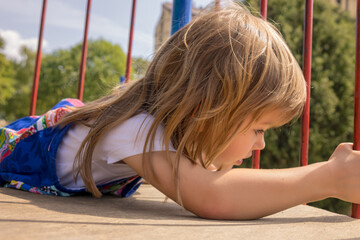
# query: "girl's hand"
344, 172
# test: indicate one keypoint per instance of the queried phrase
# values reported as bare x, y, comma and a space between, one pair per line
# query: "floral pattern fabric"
27, 156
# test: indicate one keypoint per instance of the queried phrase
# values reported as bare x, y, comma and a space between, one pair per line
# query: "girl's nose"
260, 142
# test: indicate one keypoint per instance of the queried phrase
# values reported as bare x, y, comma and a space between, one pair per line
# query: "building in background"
347, 5
162, 32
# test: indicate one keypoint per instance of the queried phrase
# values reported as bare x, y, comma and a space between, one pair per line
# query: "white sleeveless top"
119, 143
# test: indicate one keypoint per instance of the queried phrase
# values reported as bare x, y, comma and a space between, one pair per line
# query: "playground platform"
25, 215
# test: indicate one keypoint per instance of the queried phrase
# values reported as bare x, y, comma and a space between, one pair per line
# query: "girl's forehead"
272, 119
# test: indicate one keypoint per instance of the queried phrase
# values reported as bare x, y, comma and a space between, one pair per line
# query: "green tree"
59, 77
60, 73
139, 67
7, 88
331, 114
20, 84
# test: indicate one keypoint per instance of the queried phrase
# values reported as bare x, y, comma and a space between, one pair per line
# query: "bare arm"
250, 193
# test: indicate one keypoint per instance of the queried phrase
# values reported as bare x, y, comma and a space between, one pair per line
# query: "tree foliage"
60, 73
59, 77
15, 93
139, 66
333, 61
7, 88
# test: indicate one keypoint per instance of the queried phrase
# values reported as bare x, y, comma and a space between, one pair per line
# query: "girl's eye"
259, 131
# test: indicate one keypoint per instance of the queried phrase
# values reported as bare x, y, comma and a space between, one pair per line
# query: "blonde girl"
206, 100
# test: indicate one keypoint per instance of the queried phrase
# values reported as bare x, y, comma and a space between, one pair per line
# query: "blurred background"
333, 62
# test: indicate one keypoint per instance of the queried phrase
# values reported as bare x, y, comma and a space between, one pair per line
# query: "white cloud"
108, 29
61, 14
13, 43
67, 17
28, 9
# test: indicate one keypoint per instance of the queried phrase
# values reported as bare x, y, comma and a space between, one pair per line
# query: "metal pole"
263, 9
256, 153
37, 63
181, 14
131, 33
355, 209
307, 49
84, 54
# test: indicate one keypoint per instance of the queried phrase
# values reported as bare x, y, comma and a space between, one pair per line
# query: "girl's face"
245, 142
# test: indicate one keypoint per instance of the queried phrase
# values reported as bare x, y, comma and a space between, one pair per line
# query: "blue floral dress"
28, 149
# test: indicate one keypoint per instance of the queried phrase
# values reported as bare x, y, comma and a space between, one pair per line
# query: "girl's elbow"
208, 211
218, 208
221, 213
209, 207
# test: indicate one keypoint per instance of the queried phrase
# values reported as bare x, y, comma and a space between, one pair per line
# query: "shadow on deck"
25, 215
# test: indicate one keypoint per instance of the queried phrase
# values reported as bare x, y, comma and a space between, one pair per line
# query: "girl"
209, 95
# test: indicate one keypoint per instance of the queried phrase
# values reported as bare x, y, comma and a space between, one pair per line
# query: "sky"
65, 20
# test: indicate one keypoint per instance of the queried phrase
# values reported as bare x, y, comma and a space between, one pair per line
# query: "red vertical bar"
256, 159
355, 209
37, 63
256, 153
263, 9
84, 54
307, 48
131, 33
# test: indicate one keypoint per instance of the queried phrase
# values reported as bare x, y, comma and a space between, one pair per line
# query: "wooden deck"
25, 215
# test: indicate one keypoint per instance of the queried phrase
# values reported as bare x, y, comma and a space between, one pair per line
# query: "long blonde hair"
211, 75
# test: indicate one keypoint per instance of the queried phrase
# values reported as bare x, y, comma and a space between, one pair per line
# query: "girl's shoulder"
140, 120
129, 138
137, 125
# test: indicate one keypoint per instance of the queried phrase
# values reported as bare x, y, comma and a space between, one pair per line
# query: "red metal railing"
307, 49
84, 54
82, 68
256, 153
263, 9
131, 33
355, 209
37, 63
